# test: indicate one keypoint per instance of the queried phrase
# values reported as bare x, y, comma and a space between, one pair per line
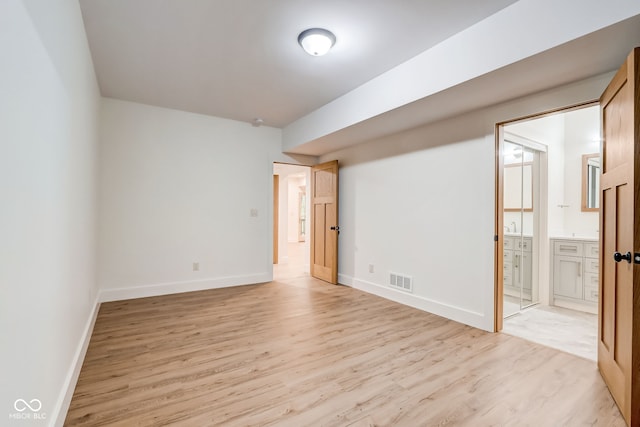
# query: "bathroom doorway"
548, 260
291, 222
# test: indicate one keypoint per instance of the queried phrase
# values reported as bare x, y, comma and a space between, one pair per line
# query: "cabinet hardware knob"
617, 257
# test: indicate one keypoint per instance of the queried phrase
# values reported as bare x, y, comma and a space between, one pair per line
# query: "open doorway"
291, 221
550, 229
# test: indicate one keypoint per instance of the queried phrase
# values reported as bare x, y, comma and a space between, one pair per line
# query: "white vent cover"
402, 282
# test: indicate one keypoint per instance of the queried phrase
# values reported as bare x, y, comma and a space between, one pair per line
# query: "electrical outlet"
371, 268
196, 266
253, 212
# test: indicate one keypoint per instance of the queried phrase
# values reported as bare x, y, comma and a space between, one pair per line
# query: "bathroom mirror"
590, 182
518, 187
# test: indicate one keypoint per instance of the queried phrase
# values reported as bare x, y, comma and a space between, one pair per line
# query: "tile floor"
568, 330
297, 264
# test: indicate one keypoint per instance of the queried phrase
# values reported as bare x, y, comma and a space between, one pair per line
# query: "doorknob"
617, 256
336, 228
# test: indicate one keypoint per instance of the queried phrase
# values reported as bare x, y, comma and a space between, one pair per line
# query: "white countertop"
516, 235
581, 238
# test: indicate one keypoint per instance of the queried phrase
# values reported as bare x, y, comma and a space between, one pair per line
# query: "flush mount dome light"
316, 41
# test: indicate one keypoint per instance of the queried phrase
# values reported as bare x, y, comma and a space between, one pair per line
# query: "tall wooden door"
324, 222
619, 311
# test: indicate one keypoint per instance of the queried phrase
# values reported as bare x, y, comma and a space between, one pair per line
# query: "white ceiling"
594, 54
239, 59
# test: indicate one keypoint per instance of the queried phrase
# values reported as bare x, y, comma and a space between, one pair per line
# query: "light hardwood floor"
299, 352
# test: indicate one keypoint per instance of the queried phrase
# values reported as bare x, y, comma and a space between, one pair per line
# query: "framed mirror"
590, 182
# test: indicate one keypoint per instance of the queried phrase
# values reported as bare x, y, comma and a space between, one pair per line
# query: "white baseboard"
468, 317
71, 379
152, 290
345, 280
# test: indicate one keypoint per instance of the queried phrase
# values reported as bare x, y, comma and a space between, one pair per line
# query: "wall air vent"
400, 281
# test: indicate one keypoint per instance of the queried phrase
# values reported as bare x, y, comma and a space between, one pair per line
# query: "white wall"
423, 214
422, 203
167, 201
48, 141
549, 131
293, 213
582, 136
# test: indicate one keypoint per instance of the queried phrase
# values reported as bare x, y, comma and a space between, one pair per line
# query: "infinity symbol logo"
21, 405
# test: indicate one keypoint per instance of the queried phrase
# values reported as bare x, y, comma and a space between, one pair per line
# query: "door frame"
276, 217
499, 217
274, 212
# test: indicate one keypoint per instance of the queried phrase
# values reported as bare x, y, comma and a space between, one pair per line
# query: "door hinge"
495, 238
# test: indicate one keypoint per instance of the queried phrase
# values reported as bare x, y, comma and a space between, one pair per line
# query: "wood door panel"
619, 313
624, 277
322, 183
607, 295
319, 226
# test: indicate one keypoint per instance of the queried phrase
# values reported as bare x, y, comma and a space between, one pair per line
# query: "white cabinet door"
568, 276
527, 272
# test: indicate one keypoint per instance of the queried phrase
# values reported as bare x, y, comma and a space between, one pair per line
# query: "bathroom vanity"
517, 265
574, 273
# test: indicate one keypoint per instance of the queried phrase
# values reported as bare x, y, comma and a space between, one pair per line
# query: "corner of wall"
71, 379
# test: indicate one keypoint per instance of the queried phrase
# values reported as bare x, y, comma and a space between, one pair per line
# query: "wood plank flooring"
300, 352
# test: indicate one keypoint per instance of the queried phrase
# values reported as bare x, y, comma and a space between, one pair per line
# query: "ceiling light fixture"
316, 41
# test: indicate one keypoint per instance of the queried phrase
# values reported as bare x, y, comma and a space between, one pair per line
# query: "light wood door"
324, 222
619, 307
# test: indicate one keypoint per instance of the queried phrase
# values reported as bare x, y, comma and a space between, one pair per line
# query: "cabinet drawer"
591, 265
507, 257
507, 267
524, 244
591, 294
591, 250
591, 280
567, 248
507, 279
507, 273
508, 243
